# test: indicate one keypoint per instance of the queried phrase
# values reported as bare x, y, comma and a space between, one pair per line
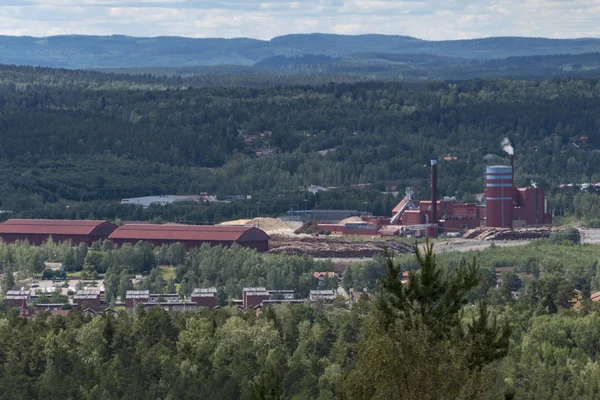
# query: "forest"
500, 323
74, 138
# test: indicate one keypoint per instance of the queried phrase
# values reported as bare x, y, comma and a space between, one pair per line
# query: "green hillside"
74, 51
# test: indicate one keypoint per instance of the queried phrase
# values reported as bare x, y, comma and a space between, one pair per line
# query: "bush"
50, 274
570, 235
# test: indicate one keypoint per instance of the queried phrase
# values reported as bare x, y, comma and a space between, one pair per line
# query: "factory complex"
503, 206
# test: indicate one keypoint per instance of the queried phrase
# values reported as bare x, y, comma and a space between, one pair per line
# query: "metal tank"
499, 190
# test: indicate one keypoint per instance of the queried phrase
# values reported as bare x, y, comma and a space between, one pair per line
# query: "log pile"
321, 247
508, 234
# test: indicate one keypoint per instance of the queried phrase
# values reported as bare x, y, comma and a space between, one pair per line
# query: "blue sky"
435, 20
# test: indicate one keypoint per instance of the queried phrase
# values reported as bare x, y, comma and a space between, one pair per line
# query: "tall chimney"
512, 166
433, 191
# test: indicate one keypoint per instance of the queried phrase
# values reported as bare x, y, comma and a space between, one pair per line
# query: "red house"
254, 296
205, 297
87, 299
134, 297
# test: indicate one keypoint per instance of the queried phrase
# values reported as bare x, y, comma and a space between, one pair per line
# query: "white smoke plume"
507, 147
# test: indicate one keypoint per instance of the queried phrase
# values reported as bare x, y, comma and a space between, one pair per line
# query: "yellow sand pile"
351, 220
269, 225
238, 222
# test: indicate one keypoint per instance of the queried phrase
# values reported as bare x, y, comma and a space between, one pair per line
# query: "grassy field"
167, 273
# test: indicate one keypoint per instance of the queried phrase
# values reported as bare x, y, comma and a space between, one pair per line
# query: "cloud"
264, 19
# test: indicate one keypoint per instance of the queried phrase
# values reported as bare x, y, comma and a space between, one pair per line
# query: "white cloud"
439, 19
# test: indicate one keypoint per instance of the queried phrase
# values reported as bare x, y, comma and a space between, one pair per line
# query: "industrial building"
510, 207
192, 235
504, 206
38, 231
148, 201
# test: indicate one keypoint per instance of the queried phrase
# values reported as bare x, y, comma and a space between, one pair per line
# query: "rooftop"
94, 292
322, 293
16, 297
137, 294
254, 289
205, 290
178, 232
51, 226
326, 273
17, 292
265, 293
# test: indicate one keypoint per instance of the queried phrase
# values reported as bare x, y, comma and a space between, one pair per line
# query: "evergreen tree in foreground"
424, 341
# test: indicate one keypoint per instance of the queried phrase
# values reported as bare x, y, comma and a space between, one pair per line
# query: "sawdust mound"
351, 220
269, 225
237, 222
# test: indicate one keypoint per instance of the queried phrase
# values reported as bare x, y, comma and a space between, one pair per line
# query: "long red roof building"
37, 231
191, 235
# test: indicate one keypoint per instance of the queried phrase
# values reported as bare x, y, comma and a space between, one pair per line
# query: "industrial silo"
499, 190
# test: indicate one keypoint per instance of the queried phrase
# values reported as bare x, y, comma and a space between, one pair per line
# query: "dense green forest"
77, 137
453, 331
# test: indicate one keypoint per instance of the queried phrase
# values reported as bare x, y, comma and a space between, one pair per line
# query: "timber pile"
333, 247
508, 234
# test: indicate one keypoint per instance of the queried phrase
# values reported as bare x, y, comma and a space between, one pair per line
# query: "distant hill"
98, 52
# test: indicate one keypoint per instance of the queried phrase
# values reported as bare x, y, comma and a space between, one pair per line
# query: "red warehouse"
192, 235
37, 231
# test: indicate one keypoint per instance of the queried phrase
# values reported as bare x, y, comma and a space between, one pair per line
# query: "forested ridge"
85, 136
118, 51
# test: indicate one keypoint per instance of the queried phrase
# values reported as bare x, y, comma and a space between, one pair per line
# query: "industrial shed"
37, 231
192, 235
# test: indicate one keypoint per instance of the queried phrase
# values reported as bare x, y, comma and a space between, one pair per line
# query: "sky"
265, 19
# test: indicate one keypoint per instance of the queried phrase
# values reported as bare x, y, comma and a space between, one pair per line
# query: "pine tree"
419, 343
8, 280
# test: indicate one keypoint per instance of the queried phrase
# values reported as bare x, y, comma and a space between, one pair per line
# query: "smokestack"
512, 166
433, 191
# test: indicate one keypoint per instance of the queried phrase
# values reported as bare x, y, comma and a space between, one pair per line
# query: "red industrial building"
510, 207
192, 235
37, 231
506, 206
